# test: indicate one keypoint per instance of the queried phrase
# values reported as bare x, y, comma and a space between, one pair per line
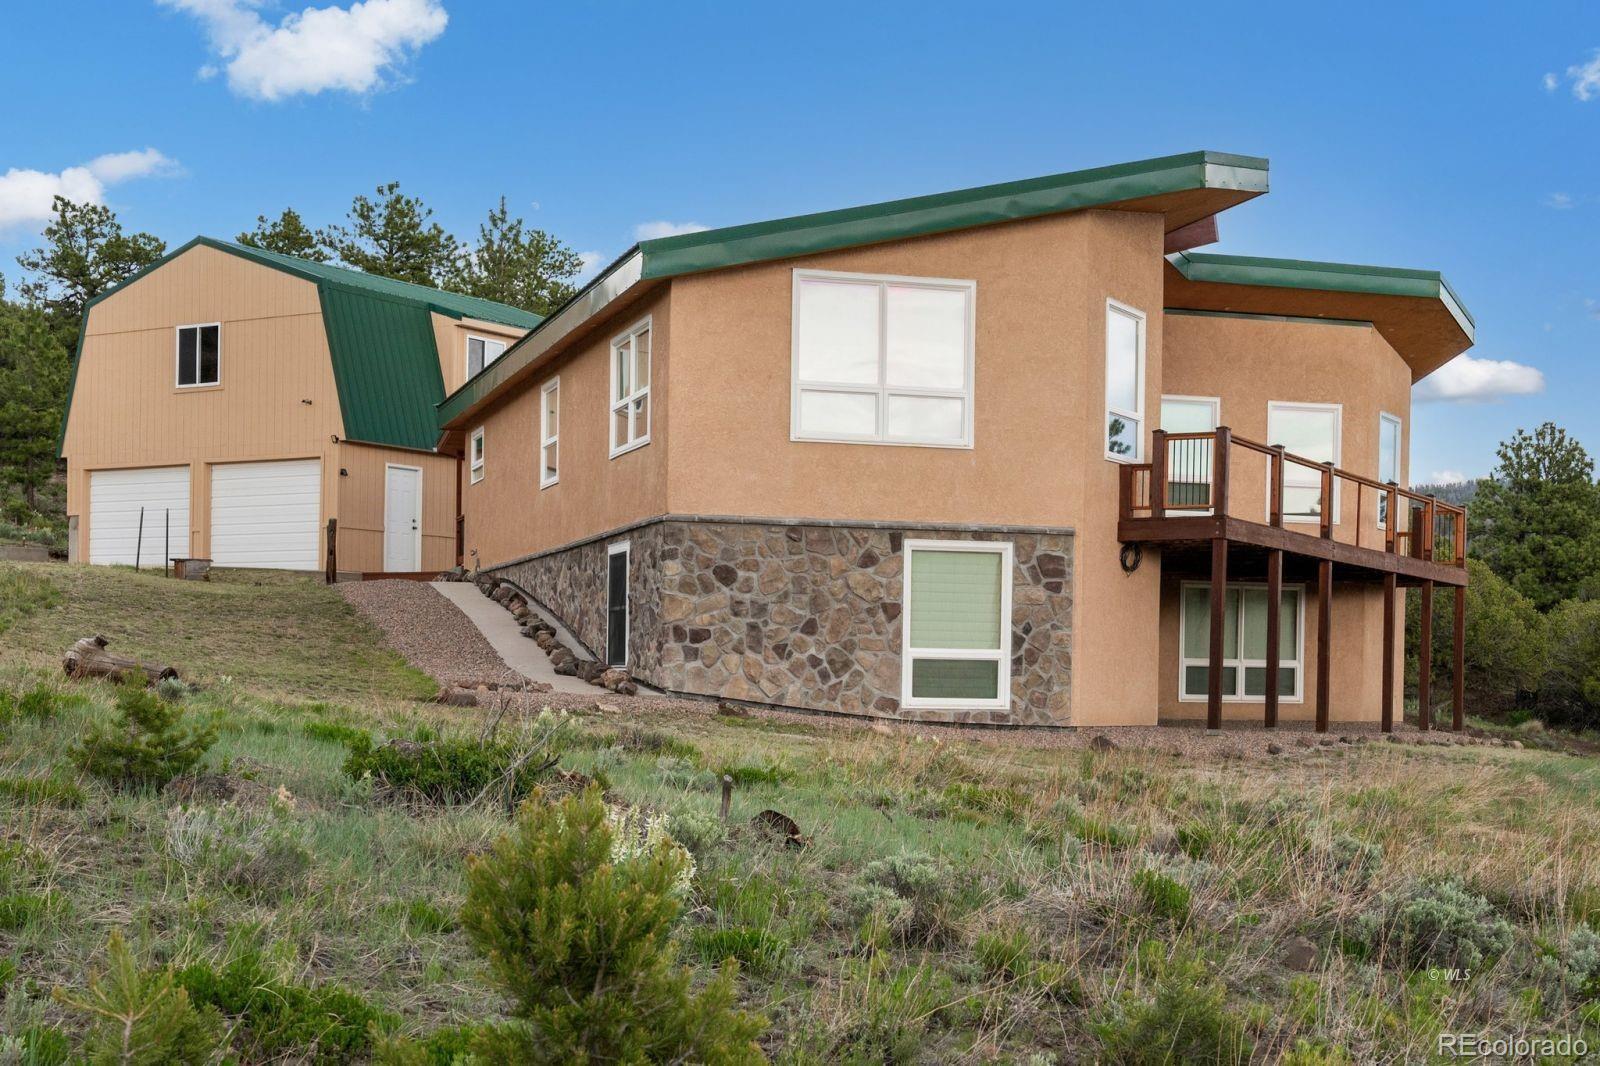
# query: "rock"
1347, 739
732, 710
520, 611
501, 594
589, 669
1327, 742
1274, 749
1517, 744
1302, 742
567, 667
1299, 953
627, 688
780, 825
1394, 739
614, 677
458, 697
1101, 742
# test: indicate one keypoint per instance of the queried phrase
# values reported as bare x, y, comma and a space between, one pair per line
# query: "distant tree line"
1533, 602
85, 252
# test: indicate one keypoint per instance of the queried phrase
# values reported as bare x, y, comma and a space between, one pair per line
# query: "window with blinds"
957, 624
1244, 643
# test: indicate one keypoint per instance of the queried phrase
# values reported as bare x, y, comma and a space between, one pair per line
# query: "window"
1309, 430
1244, 643
957, 624
481, 351
199, 355
476, 454
1388, 459
1189, 461
882, 360
549, 433
630, 389
1124, 382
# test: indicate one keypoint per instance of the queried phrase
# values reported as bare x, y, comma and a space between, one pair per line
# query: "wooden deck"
1181, 502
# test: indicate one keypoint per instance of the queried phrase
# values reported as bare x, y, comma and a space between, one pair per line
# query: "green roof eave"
941, 212
1328, 277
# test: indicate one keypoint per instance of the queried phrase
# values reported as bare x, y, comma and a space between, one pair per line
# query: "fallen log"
89, 658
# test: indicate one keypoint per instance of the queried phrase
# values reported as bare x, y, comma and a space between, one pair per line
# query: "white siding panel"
115, 498
266, 515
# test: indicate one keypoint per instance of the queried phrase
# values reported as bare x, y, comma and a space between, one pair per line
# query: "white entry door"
402, 520
139, 516
266, 515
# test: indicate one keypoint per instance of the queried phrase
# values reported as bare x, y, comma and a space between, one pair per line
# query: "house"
1006, 455
227, 402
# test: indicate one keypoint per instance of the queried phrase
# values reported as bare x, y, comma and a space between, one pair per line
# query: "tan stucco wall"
361, 505
450, 337
508, 515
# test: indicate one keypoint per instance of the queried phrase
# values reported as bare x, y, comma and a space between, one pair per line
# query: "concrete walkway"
505, 637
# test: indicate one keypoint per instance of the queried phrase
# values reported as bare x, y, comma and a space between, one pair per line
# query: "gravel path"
430, 632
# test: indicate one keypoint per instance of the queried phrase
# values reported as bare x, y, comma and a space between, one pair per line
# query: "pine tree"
516, 265
392, 236
84, 254
142, 1018
287, 234
33, 386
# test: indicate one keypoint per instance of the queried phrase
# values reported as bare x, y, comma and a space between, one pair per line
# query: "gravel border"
430, 632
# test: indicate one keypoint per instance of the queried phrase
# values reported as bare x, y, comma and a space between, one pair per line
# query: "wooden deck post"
1425, 660
1158, 474
1274, 605
1387, 715
1219, 614
1458, 694
1326, 501
1219, 471
331, 575
1275, 489
1324, 640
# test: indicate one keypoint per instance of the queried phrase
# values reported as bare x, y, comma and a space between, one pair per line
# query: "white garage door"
115, 500
266, 515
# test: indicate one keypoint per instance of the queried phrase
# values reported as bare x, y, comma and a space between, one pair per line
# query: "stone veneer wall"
804, 615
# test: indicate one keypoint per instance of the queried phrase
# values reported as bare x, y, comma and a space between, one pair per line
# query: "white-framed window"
1189, 462
1312, 431
199, 355
481, 351
1124, 382
475, 455
956, 624
881, 359
630, 389
1388, 458
1245, 646
549, 433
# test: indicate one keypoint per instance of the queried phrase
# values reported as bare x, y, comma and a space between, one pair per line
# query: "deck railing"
1217, 473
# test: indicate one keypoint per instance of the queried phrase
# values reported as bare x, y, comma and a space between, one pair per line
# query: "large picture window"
630, 389
957, 624
199, 355
1124, 382
1309, 430
1245, 644
882, 360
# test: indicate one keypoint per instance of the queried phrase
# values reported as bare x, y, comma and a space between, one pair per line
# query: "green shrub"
258, 854
699, 831
37, 1045
22, 592
1187, 1020
451, 1046
1166, 897
142, 1017
1569, 693
339, 733
582, 941
1507, 641
1356, 859
41, 791
172, 689
1572, 969
146, 746
1003, 952
452, 770
746, 776
274, 1018
41, 703
758, 950
923, 882
1434, 922
17, 909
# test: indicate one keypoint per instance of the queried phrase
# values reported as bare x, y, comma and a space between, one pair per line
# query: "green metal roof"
665, 257
380, 335
1328, 277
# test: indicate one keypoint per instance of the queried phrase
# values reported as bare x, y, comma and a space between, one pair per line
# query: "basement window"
882, 360
549, 433
476, 454
481, 351
199, 355
1244, 643
957, 624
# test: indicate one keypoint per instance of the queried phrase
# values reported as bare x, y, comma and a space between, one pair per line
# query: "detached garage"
266, 515
134, 515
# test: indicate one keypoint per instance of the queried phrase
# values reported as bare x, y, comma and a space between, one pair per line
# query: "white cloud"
1466, 379
649, 231
1585, 78
1559, 200
591, 262
1551, 82
1448, 477
26, 195
352, 49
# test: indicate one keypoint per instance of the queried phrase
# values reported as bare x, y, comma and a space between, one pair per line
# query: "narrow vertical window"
199, 355
549, 433
475, 454
957, 628
1388, 459
630, 389
1124, 382
1310, 431
481, 351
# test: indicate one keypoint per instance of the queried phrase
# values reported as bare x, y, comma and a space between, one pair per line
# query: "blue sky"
1452, 137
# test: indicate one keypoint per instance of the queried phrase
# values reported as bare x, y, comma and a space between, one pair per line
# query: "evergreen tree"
33, 387
84, 254
1536, 520
287, 234
392, 236
514, 264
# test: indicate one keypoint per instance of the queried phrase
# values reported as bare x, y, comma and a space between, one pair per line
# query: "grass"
976, 899
22, 593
